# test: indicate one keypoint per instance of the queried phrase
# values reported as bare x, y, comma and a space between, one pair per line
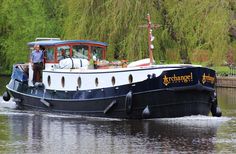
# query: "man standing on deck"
37, 63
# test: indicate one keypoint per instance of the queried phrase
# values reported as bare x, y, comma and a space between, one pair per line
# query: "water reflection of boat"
139, 90
39, 133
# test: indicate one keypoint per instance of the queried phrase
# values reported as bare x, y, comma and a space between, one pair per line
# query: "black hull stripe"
101, 111
198, 87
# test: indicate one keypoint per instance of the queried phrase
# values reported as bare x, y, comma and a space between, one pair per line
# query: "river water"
42, 132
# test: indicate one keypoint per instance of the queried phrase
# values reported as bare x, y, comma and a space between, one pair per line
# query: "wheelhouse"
54, 49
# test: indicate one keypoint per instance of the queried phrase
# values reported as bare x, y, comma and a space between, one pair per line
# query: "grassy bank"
4, 72
222, 70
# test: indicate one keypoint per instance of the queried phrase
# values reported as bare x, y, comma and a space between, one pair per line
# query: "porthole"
130, 78
96, 82
79, 82
63, 81
113, 80
49, 80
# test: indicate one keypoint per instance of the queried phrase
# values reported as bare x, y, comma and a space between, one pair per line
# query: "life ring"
128, 102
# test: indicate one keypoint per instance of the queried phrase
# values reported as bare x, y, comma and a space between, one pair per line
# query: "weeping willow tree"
199, 25
113, 21
21, 22
187, 27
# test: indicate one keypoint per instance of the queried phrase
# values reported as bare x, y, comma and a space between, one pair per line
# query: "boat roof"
61, 42
46, 38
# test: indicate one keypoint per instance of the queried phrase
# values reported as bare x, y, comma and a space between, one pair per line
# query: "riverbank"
226, 81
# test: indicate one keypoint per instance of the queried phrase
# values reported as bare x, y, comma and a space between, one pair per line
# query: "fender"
128, 102
215, 110
6, 96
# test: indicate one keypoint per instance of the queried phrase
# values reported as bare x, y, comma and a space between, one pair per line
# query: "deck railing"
232, 71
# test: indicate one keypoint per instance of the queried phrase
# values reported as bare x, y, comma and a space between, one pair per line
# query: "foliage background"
192, 31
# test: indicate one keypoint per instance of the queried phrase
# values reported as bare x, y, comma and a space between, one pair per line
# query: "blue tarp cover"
18, 74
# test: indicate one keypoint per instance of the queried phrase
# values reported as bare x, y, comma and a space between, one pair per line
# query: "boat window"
80, 51
97, 52
49, 81
113, 80
130, 78
47, 51
96, 82
63, 52
79, 82
63, 81
49, 54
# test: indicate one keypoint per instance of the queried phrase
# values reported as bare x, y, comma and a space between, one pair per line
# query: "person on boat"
95, 60
44, 54
63, 55
37, 63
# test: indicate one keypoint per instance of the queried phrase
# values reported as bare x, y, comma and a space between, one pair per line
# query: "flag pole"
150, 46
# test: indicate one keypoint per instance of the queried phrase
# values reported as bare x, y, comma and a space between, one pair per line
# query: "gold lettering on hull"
208, 78
177, 79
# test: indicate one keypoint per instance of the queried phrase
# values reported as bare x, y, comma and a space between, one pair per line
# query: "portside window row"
79, 81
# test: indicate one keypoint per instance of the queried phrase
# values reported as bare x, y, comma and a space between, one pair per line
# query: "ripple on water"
9, 104
197, 120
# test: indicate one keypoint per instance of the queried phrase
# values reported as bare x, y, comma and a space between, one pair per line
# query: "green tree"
22, 21
187, 26
113, 21
199, 25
